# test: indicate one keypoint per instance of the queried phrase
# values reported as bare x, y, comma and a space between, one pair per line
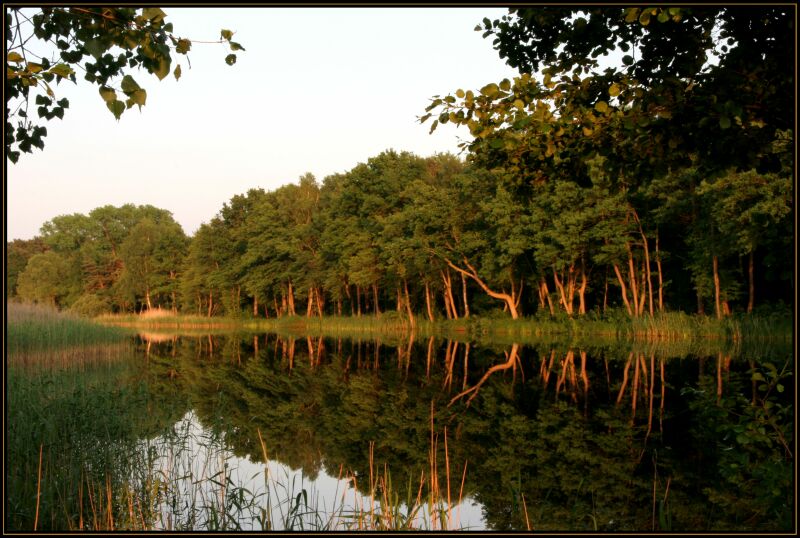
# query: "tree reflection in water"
553, 436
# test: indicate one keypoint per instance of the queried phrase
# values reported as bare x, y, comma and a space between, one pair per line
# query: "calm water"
284, 432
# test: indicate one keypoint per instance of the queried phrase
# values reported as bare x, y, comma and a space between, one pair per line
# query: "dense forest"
662, 183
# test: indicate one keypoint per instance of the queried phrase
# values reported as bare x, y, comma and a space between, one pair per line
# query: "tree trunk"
358, 299
292, 310
582, 292
408, 304
464, 293
399, 299
660, 280
562, 293
715, 265
447, 305
473, 274
544, 296
255, 306
428, 301
375, 296
647, 264
624, 289
751, 298
632, 277
210, 302
147, 297
449, 288
320, 301
310, 304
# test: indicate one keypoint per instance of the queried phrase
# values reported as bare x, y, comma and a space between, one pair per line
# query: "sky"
317, 90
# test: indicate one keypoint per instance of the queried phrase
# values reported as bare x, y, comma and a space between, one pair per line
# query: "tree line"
434, 237
660, 180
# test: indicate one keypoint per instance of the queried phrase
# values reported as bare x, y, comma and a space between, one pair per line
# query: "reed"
36, 328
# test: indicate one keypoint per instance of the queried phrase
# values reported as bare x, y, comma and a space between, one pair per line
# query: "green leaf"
177, 72
505, 84
139, 97
226, 34
230, 59
183, 46
632, 14
153, 14
663, 16
108, 94
94, 47
724, 122
235, 46
34, 67
62, 70
601, 106
613, 90
14, 57
779, 387
163, 67
627, 59
519, 103
116, 108
490, 90
587, 131
433, 126
644, 18
460, 93
129, 85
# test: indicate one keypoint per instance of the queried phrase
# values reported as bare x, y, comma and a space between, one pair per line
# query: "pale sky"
318, 90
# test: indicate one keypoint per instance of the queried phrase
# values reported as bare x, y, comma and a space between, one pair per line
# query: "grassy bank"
35, 328
668, 326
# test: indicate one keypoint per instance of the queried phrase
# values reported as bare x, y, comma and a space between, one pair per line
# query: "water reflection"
552, 437
549, 436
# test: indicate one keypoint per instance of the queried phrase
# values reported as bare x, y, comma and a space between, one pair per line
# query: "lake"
265, 431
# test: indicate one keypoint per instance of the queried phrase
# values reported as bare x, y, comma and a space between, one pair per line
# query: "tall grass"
34, 328
187, 480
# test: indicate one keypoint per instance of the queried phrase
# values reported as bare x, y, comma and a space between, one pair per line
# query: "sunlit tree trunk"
751, 298
473, 274
565, 296
447, 305
375, 296
544, 296
715, 265
428, 301
210, 302
632, 280
582, 292
646, 263
358, 299
320, 301
464, 293
408, 303
292, 310
310, 304
448, 286
623, 289
660, 278
255, 306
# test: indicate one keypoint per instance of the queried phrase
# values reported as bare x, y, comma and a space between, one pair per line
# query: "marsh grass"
34, 328
78, 463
